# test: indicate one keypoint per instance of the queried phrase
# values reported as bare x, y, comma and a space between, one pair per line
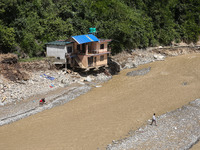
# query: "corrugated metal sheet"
58, 43
80, 39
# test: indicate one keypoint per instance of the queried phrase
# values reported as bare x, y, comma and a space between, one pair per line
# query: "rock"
1, 81
184, 83
65, 81
114, 67
80, 82
61, 85
102, 77
99, 86
159, 57
1, 104
1, 86
129, 64
88, 79
114, 142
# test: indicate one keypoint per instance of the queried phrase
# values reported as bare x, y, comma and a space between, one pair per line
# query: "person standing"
153, 119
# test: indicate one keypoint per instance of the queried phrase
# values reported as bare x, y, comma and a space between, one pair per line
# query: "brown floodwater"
109, 112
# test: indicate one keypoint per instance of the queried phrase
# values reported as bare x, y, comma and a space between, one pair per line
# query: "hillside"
25, 26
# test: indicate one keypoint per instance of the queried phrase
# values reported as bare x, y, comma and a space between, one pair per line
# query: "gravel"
179, 129
33, 109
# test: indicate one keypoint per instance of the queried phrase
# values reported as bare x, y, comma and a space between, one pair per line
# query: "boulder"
114, 67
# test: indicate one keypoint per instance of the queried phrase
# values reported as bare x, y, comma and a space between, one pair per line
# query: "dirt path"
107, 113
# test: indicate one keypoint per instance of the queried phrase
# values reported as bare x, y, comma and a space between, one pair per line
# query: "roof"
80, 39
105, 40
58, 43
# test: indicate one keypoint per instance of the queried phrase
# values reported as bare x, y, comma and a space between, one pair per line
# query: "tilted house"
81, 51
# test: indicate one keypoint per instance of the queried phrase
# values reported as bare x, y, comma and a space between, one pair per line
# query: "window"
102, 46
101, 58
69, 49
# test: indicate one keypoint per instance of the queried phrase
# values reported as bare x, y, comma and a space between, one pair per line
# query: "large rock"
114, 67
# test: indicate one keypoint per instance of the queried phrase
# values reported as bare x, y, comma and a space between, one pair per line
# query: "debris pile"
10, 68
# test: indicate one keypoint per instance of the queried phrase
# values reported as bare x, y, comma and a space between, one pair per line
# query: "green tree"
7, 38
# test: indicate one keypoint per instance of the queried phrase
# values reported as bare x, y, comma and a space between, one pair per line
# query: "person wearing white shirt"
153, 119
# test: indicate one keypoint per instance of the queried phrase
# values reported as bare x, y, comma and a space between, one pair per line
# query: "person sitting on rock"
42, 101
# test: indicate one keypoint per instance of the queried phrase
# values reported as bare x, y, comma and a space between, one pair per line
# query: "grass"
32, 59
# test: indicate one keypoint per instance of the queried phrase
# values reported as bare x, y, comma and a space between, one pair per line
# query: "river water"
109, 112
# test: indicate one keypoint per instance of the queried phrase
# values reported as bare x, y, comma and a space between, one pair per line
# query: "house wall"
75, 47
99, 62
84, 60
57, 50
105, 47
98, 48
94, 45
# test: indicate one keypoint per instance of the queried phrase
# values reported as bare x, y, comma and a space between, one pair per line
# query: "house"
81, 51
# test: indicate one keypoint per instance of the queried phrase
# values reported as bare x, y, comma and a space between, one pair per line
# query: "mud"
108, 113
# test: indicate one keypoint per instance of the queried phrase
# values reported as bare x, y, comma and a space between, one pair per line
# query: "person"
42, 101
153, 119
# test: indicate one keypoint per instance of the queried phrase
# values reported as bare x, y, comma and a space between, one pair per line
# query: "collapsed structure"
81, 51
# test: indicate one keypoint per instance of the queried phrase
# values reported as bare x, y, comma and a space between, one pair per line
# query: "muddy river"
109, 112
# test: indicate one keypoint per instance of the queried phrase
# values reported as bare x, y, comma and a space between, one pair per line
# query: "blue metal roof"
80, 39
58, 43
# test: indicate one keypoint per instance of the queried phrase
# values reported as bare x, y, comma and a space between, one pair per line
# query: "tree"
7, 38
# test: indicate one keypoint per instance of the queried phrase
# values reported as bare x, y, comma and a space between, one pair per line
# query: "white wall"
57, 50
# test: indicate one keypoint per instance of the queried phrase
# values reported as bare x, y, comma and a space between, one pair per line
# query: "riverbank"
178, 129
101, 115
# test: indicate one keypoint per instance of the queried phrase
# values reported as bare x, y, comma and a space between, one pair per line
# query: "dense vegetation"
25, 26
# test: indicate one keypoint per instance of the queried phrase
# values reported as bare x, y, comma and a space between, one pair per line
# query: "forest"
26, 25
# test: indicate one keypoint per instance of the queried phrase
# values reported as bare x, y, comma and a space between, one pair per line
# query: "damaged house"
81, 51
